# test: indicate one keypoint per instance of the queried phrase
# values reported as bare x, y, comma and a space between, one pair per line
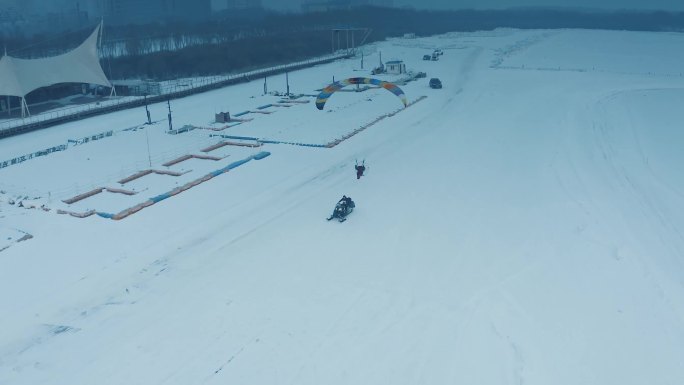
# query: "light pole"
168, 102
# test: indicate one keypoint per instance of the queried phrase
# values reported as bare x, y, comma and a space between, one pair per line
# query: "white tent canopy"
18, 77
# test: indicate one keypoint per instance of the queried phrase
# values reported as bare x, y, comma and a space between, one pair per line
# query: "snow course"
522, 225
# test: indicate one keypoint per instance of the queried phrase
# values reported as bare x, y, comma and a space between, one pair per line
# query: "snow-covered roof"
18, 76
395, 62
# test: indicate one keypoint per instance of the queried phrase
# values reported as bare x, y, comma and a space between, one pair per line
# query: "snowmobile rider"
347, 201
341, 207
343, 204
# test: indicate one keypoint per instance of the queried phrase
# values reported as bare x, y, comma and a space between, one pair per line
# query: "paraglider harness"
360, 168
343, 208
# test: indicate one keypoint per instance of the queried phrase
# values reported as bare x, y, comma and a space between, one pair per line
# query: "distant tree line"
221, 58
235, 42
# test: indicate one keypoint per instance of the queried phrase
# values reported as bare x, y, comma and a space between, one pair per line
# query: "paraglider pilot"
360, 168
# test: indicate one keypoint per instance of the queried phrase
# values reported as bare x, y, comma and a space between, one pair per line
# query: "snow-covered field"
522, 225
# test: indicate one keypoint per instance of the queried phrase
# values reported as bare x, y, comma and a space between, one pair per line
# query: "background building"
140, 12
334, 5
235, 5
33, 16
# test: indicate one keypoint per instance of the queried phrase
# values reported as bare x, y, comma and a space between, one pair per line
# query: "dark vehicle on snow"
435, 83
343, 208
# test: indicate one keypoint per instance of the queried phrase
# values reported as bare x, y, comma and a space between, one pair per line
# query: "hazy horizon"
295, 5
666, 5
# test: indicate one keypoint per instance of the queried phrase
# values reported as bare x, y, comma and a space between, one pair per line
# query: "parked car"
427, 57
435, 57
421, 75
435, 83
439, 52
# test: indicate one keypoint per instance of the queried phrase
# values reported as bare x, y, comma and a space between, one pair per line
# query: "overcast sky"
675, 5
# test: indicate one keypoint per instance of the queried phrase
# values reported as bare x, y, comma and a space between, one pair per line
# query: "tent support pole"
28, 113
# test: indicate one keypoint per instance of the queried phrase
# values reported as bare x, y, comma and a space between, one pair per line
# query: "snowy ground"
522, 225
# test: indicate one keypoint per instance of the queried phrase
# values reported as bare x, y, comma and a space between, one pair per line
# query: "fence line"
169, 91
50, 150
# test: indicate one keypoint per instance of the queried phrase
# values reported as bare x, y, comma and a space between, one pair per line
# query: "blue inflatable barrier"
241, 113
238, 163
160, 197
261, 155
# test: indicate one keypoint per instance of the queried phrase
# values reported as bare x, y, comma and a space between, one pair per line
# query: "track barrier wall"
156, 199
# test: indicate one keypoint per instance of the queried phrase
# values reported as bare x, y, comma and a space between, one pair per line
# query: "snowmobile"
343, 208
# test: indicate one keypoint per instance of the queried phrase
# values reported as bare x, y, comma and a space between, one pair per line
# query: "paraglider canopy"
336, 86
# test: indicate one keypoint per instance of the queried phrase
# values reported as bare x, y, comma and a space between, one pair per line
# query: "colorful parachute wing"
334, 87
